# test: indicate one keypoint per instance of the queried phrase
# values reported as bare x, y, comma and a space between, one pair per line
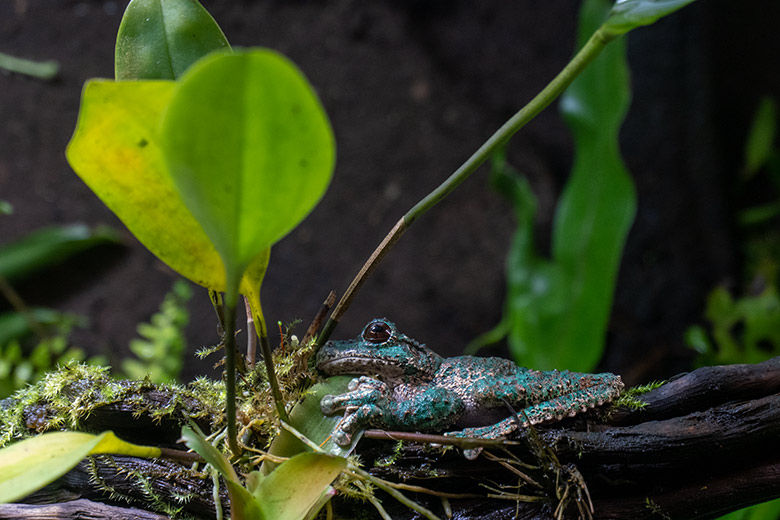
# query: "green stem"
265, 346
555, 88
585, 56
231, 302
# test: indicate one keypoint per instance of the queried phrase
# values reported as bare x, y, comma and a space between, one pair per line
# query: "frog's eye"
377, 332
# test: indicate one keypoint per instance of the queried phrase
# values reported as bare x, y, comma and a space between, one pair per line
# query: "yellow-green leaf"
116, 152
250, 148
33, 463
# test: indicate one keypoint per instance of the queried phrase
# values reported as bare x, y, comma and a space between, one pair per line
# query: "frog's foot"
362, 404
353, 421
484, 432
362, 390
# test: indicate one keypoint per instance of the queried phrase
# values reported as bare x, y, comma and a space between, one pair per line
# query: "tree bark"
81, 509
704, 444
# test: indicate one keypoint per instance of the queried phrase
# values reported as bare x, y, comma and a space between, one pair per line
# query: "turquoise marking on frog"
407, 387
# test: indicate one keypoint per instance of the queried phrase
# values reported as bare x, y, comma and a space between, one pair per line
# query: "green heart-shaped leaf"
250, 149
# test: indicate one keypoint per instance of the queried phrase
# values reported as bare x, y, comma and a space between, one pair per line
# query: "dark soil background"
413, 88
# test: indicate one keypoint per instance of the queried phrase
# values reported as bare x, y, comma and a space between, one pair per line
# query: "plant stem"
231, 302
585, 56
251, 337
265, 346
217, 302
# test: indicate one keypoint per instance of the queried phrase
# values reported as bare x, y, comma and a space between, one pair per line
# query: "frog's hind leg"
552, 410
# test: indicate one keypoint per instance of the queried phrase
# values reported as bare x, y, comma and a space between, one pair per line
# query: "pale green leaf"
202, 447
297, 485
250, 149
307, 418
116, 152
243, 506
33, 463
160, 39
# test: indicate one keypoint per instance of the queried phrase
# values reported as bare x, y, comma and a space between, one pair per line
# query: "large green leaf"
160, 39
31, 464
630, 14
557, 310
765, 511
598, 204
250, 149
116, 152
48, 247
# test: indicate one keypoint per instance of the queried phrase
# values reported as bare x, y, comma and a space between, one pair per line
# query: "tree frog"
405, 386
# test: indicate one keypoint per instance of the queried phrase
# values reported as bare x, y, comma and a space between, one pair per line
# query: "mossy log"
704, 444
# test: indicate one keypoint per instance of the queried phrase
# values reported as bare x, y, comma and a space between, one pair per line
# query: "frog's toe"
341, 437
472, 453
364, 383
328, 404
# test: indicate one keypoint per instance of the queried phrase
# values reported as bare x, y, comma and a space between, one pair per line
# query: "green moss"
630, 398
65, 398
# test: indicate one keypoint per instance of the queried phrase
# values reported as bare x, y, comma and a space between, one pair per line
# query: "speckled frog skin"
405, 386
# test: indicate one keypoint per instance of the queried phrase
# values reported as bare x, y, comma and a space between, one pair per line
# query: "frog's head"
379, 350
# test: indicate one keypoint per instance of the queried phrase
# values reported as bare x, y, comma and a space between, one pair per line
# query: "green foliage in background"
745, 328
25, 357
47, 247
556, 310
35, 340
160, 349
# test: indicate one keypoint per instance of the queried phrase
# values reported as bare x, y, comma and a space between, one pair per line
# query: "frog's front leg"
362, 404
